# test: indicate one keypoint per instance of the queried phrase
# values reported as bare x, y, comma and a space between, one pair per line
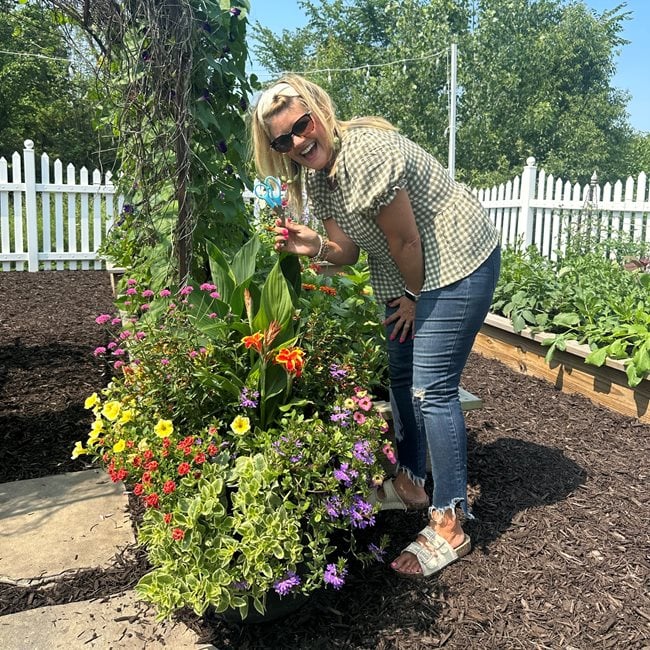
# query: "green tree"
534, 77
42, 98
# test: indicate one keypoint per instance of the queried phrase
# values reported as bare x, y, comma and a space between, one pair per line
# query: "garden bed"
558, 486
523, 352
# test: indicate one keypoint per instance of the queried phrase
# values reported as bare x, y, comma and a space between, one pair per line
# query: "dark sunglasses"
304, 125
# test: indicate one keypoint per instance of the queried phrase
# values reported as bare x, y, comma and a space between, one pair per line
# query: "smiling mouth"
307, 150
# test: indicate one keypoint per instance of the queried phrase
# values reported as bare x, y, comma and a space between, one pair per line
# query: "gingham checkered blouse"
372, 165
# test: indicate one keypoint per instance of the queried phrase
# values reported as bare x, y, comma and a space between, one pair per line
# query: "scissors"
270, 191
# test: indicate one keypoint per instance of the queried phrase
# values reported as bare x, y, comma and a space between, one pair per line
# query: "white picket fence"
61, 224
540, 210
55, 224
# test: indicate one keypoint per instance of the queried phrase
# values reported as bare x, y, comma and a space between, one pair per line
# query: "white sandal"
392, 500
434, 554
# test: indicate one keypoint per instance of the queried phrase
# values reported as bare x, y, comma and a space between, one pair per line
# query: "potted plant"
253, 484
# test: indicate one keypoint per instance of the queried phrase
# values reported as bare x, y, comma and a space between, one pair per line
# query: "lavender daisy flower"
334, 577
345, 474
361, 451
333, 507
248, 398
378, 552
337, 372
361, 513
287, 584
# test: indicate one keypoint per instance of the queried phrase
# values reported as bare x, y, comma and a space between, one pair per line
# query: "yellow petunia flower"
97, 427
143, 445
78, 450
119, 446
91, 400
164, 428
240, 424
127, 416
111, 410
349, 403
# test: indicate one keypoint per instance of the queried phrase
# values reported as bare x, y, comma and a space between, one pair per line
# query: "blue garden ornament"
270, 191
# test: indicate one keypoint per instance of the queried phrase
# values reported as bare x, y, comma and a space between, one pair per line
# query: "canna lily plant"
251, 486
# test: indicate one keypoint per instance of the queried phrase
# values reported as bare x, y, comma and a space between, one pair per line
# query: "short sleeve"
372, 171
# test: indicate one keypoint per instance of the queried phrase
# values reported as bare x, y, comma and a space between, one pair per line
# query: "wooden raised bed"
523, 352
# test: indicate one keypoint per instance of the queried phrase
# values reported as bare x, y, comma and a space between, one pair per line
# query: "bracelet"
411, 296
323, 249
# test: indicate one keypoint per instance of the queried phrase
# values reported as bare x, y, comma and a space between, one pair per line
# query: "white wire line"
366, 66
36, 55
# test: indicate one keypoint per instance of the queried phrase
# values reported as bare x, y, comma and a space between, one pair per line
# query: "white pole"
451, 166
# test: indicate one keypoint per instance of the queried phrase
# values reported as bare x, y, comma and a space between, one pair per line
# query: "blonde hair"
284, 94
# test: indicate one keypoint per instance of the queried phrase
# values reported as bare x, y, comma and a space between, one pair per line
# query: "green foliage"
592, 294
43, 94
534, 78
249, 482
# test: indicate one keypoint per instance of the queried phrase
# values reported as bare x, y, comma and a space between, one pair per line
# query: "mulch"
558, 486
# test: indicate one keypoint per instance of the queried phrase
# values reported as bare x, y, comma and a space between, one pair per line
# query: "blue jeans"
425, 375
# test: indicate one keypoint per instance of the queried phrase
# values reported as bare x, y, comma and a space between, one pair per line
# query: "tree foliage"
42, 97
534, 78
174, 92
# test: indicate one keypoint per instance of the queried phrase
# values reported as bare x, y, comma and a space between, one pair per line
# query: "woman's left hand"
404, 319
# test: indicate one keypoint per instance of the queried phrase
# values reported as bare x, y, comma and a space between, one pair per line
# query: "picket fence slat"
56, 222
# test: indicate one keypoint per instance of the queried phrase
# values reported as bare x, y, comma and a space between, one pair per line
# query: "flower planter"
524, 353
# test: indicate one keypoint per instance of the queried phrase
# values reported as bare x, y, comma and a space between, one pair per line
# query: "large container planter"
568, 372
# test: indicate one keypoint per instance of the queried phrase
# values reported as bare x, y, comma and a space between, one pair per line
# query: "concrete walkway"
61, 524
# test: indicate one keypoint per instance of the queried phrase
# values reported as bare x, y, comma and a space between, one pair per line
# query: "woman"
434, 262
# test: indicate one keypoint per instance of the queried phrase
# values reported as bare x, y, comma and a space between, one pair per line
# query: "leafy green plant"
251, 484
595, 295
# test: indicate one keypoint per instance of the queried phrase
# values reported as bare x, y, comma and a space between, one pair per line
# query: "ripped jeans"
425, 374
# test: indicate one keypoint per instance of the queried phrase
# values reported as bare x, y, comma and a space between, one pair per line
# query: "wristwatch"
411, 296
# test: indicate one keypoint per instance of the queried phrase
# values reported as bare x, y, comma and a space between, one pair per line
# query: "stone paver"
59, 523
118, 623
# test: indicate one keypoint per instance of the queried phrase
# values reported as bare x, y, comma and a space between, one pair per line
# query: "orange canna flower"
292, 360
254, 341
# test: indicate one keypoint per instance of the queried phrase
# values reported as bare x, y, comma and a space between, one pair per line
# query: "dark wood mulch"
558, 486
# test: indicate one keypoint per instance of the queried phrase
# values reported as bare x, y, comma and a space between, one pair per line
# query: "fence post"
30, 206
528, 189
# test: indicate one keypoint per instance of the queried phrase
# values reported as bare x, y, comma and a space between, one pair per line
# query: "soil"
558, 486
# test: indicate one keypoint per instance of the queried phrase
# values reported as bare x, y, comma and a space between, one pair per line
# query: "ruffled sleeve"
371, 171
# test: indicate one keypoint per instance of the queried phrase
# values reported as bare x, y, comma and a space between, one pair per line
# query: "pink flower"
215, 295
131, 291
165, 293
186, 291
148, 293
206, 286
358, 417
145, 306
102, 319
125, 334
365, 403
388, 452
99, 350
164, 361
118, 352
112, 345
140, 335
116, 321
131, 282
118, 364
213, 315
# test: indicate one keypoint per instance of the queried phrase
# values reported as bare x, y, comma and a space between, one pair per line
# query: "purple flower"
235, 11
222, 146
127, 208
287, 584
337, 372
340, 415
248, 398
378, 552
239, 585
345, 474
361, 451
333, 507
334, 577
361, 513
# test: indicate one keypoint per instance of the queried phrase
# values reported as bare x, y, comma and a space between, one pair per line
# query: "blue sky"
632, 63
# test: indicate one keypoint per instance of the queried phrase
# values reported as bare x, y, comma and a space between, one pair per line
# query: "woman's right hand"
296, 238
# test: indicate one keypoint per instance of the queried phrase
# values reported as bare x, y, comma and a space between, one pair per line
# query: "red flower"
291, 359
152, 466
169, 487
138, 489
254, 341
146, 477
152, 500
121, 474
178, 534
137, 461
184, 468
167, 517
166, 442
148, 454
213, 450
199, 459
